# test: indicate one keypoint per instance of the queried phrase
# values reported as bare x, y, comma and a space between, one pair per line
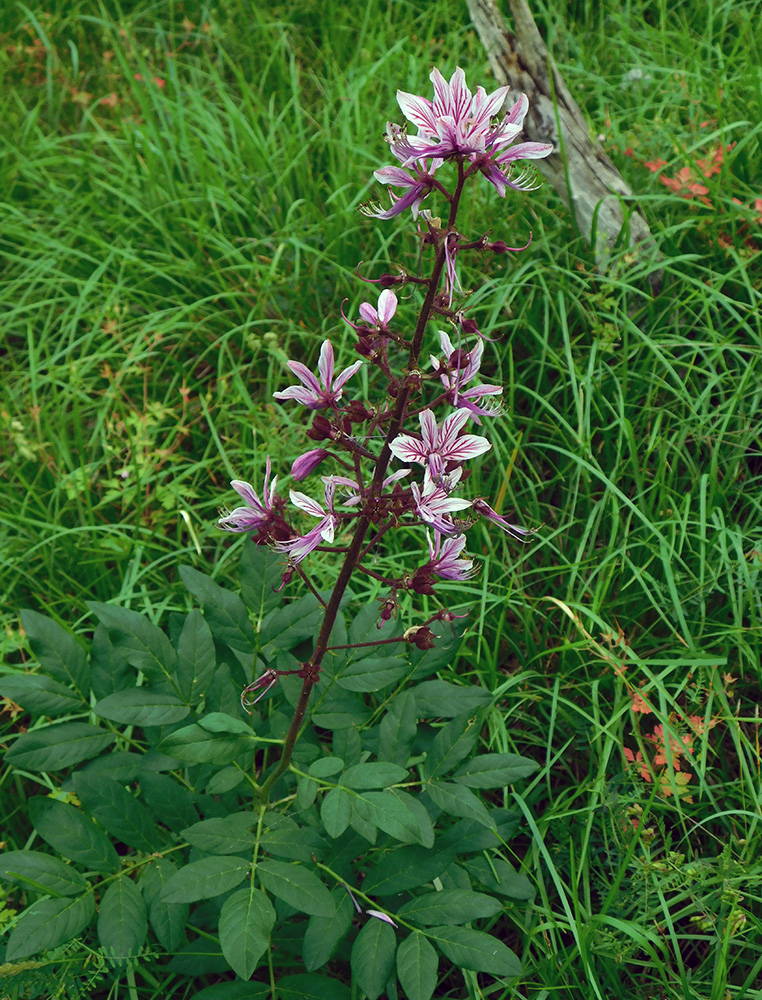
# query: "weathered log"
578, 168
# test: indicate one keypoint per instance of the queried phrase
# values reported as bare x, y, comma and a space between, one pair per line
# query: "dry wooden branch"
579, 169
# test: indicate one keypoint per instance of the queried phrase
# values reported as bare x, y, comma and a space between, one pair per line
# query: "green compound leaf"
40, 694
168, 920
495, 770
41, 872
48, 923
73, 834
138, 640
417, 964
52, 748
379, 774
142, 707
59, 653
225, 612
261, 572
223, 835
246, 920
372, 673
372, 958
475, 950
450, 906
196, 658
297, 886
117, 810
205, 879
324, 933
122, 920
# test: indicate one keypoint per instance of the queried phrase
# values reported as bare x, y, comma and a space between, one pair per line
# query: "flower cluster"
456, 124
425, 417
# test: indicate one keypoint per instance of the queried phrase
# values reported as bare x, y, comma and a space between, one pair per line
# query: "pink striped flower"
439, 445
300, 546
318, 393
257, 513
463, 368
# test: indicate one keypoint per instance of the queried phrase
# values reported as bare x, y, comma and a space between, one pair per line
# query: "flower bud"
307, 462
321, 429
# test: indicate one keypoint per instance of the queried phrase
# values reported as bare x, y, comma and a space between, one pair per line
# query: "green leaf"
138, 640
374, 775
451, 745
340, 710
225, 612
372, 959
311, 988
498, 876
406, 868
168, 920
53, 748
336, 812
261, 572
205, 879
397, 730
417, 965
390, 814
457, 800
224, 835
109, 671
221, 722
198, 746
40, 694
414, 805
235, 991
73, 834
142, 707
286, 627
42, 873
196, 658
48, 923
117, 810
59, 653
122, 920
170, 802
475, 950
325, 933
372, 673
286, 839
440, 700
495, 770
246, 920
297, 886
450, 906
325, 767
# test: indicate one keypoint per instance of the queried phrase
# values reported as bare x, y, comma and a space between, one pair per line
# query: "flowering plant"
373, 847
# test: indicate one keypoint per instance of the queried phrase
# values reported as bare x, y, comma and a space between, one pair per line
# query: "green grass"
164, 252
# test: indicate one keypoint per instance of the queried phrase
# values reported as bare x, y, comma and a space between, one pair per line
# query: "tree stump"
578, 169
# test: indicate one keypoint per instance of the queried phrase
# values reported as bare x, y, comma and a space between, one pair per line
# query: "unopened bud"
321, 429
305, 464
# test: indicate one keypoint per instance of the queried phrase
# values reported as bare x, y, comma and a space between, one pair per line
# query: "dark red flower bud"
499, 246
421, 636
321, 429
387, 280
356, 412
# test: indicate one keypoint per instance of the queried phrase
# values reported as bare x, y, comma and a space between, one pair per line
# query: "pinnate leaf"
205, 879
70, 832
60, 654
52, 748
450, 906
495, 770
42, 872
